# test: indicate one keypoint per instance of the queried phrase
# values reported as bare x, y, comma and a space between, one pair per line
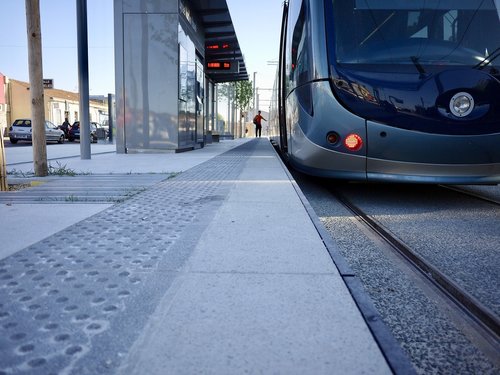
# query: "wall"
146, 66
20, 100
3, 104
57, 108
160, 78
57, 104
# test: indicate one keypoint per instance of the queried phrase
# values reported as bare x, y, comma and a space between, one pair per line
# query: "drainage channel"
79, 189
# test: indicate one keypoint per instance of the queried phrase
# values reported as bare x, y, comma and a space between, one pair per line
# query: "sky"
257, 32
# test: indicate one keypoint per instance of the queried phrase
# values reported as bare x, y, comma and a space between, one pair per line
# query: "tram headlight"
461, 104
353, 142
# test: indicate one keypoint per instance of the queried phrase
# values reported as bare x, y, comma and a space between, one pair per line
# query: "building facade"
169, 55
15, 103
3, 103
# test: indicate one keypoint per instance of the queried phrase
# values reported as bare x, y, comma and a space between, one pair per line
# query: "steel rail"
471, 194
481, 314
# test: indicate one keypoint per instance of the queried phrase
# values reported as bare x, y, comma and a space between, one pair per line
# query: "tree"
244, 93
243, 90
223, 90
33, 29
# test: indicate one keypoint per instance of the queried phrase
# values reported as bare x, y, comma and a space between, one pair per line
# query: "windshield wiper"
420, 68
488, 59
378, 27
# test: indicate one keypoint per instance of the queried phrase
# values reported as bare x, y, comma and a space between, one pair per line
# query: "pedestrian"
65, 127
257, 120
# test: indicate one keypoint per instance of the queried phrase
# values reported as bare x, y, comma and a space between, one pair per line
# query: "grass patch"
61, 170
57, 170
14, 172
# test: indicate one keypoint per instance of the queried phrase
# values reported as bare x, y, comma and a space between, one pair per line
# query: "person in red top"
257, 120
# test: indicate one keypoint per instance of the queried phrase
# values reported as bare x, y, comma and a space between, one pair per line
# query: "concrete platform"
218, 270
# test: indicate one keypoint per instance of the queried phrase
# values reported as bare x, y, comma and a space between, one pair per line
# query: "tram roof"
219, 29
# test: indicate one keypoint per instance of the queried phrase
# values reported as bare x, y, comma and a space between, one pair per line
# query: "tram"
390, 90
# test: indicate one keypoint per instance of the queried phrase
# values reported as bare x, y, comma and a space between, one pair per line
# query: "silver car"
21, 131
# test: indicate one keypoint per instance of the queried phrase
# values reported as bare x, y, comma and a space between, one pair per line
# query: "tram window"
299, 55
437, 33
413, 19
450, 26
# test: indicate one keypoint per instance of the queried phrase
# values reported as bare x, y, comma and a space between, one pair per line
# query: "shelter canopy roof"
219, 31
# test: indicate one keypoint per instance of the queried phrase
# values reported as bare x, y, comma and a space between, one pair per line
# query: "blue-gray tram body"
390, 90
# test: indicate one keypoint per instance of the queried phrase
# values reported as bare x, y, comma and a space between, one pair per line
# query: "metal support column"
110, 117
83, 78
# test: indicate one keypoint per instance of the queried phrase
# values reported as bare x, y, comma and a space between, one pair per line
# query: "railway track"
472, 315
473, 194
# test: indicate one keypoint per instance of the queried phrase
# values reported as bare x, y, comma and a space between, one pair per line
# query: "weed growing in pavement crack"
14, 172
58, 170
61, 170
173, 175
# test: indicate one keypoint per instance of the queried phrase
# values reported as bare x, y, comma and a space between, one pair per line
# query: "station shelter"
169, 56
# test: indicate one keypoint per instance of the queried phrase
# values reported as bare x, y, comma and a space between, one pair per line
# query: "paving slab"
259, 293
228, 323
18, 223
218, 270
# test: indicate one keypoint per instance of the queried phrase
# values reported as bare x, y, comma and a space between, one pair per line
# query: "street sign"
219, 65
214, 47
222, 66
48, 83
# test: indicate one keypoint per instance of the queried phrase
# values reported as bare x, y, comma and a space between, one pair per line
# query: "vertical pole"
83, 78
233, 111
228, 126
254, 95
257, 100
36, 88
216, 111
212, 105
110, 117
206, 109
3, 166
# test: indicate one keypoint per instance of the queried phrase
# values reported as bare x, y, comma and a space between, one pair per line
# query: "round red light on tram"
353, 142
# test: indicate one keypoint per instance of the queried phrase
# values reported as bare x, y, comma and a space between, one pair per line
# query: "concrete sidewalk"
259, 293
47, 219
105, 160
219, 270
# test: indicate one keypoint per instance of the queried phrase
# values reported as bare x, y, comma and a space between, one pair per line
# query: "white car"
21, 131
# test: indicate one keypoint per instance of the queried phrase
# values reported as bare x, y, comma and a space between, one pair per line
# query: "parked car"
21, 131
102, 131
74, 132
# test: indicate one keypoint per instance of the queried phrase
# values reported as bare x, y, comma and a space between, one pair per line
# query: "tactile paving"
76, 301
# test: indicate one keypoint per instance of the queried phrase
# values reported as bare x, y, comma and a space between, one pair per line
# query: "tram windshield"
418, 34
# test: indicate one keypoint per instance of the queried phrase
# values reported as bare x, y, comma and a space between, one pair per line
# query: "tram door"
200, 95
282, 82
